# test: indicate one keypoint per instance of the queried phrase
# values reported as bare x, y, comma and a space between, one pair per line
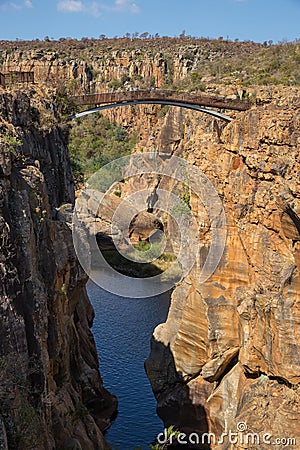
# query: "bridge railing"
200, 99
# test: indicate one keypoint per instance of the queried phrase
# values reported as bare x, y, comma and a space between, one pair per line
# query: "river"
122, 330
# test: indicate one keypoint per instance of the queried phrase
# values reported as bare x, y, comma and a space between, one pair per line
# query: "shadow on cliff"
174, 400
132, 267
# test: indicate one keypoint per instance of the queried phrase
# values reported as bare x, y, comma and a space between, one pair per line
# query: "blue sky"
257, 20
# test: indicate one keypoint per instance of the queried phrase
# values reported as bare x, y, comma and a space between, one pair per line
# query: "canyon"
228, 352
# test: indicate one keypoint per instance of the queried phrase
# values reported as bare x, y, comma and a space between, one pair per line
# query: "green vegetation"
246, 63
190, 83
63, 99
116, 84
64, 291
186, 198
164, 111
94, 141
153, 250
143, 246
183, 208
171, 435
118, 193
143, 270
29, 427
12, 141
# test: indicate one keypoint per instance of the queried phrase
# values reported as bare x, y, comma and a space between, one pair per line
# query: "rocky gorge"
229, 350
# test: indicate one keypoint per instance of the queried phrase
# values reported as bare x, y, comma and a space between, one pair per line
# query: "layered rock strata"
51, 392
229, 351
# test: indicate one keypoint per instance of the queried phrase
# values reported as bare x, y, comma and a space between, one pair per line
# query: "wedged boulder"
112, 215
144, 225
216, 367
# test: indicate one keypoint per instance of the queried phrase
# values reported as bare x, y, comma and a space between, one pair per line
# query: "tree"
144, 35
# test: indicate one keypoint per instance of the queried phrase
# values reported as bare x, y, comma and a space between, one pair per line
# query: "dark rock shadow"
127, 266
174, 404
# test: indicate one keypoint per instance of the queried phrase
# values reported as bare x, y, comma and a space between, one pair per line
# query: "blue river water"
122, 330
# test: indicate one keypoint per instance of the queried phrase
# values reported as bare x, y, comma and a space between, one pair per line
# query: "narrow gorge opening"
122, 330
123, 325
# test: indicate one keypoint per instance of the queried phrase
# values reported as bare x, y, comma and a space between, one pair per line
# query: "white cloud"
126, 5
96, 8
5, 6
70, 6
10, 5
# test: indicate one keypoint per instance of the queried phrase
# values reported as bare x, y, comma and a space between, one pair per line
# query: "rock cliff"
229, 350
51, 392
186, 64
110, 64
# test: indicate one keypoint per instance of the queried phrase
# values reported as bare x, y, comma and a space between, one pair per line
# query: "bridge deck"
149, 95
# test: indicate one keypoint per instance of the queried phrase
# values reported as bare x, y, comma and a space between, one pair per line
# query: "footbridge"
196, 101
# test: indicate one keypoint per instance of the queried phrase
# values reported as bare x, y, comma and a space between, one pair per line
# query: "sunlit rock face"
51, 392
229, 350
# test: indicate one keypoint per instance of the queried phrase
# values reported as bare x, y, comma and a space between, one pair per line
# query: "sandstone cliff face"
51, 393
105, 66
108, 65
229, 351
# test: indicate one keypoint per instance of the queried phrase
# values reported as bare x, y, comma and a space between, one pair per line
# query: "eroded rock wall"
112, 64
229, 351
51, 392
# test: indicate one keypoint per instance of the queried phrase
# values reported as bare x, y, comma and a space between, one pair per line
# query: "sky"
256, 20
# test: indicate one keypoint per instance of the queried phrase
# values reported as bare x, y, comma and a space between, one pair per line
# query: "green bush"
94, 142
171, 435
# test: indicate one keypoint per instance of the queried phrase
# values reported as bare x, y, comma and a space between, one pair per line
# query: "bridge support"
151, 102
